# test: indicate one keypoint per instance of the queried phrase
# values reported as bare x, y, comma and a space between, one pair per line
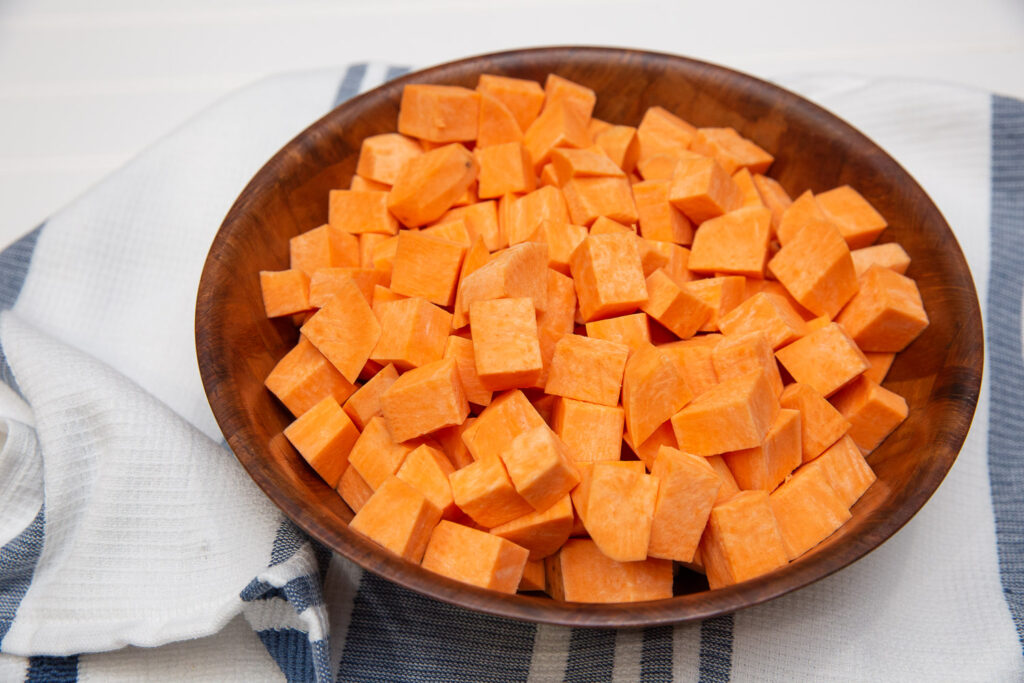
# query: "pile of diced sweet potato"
512, 290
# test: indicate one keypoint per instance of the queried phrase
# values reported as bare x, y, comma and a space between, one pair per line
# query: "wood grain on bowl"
939, 373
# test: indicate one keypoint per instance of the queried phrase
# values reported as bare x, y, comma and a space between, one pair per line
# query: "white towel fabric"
133, 545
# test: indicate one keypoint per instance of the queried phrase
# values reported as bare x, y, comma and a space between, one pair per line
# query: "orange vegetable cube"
522, 97
702, 189
826, 359
353, 489
745, 181
505, 343
661, 132
631, 330
439, 113
654, 388
731, 416
619, 510
889, 255
450, 440
413, 333
658, 219
562, 239
816, 268
591, 197
764, 467
475, 557
729, 485
561, 306
345, 330
873, 411
591, 431
327, 282
530, 212
364, 404
284, 292
693, 357
821, 425
363, 184
581, 572
304, 377
541, 532
426, 469
424, 400
880, 364
509, 414
742, 540
858, 222
687, 490
426, 267
381, 157
807, 510
731, 150
847, 470
375, 454
497, 124
647, 451
481, 220
800, 214
324, 436
558, 89
399, 518
722, 293
515, 273
322, 248
476, 257
533, 577
582, 163
461, 349
455, 231
886, 314
606, 226
737, 356
377, 250
560, 124
773, 196
360, 211
430, 184
766, 312
608, 276
677, 309
587, 369
539, 465
662, 166
735, 243
484, 491
619, 143
505, 167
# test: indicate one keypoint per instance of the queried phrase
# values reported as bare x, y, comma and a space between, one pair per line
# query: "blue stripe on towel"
17, 564
287, 542
591, 655
14, 263
394, 72
716, 649
1003, 333
399, 635
350, 83
52, 669
292, 651
656, 654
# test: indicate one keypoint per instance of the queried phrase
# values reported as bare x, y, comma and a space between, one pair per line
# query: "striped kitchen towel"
133, 545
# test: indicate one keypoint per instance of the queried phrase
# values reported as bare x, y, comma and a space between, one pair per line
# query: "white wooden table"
85, 85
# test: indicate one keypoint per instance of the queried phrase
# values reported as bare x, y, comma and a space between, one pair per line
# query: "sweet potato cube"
558, 89
880, 364
505, 168
324, 436
353, 489
888, 255
647, 451
426, 469
439, 113
764, 467
658, 219
413, 333
738, 356
561, 304
751, 197
702, 189
606, 226
455, 231
484, 491
807, 510
722, 293
381, 157
619, 510
475, 557
873, 411
323, 248
846, 469
583, 163
461, 349
687, 489
540, 467
631, 330
426, 267
591, 197
481, 220
508, 415
430, 184
858, 222
562, 239
497, 124
505, 343
731, 150
674, 257
661, 167
886, 314
376, 455
587, 369
619, 143
528, 213
826, 359
592, 432
358, 182
450, 440
581, 572
560, 124
729, 485
360, 211
816, 268
364, 404
742, 540
654, 388
730, 416
693, 356
679, 310
345, 330
608, 276
773, 196
662, 132
802, 213
425, 399
821, 425
522, 97
304, 377
399, 518
770, 313
284, 292
377, 250
517, 272
541, 532
534, 579
327, 282
735, 243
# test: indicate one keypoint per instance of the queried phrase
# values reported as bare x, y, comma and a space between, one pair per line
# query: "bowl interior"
939, 374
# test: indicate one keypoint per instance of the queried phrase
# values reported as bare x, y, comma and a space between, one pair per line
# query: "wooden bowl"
939, 374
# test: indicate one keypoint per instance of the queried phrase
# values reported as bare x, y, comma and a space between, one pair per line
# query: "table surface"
84, 87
